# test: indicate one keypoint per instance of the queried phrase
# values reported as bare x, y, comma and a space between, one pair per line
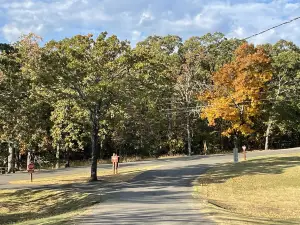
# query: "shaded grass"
61, 219
24, 205
58, 202
267, 188
124, 174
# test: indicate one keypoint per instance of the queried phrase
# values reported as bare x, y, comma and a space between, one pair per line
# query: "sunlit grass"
124, 174
56, 206
264, 187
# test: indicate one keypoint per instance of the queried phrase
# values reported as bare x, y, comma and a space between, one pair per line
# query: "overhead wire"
193, 109
279, 25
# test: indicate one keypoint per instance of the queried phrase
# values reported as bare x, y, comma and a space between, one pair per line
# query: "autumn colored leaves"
237, 89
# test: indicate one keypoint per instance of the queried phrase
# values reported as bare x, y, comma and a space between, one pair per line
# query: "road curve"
160, 196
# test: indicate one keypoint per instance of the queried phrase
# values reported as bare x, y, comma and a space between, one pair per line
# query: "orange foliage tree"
237, 90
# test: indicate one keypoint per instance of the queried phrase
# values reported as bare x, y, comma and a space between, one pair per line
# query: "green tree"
153, 76
87, 71
24, 118
283, 88
68, 127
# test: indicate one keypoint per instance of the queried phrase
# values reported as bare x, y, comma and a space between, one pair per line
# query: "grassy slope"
58, 202
264, 190
23, 205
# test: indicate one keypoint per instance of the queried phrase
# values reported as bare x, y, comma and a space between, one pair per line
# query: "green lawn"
264, 189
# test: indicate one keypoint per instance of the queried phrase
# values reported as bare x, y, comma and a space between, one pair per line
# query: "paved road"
160, 196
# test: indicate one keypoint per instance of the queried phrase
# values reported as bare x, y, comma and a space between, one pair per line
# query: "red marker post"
115, 160
244, 151
30, 169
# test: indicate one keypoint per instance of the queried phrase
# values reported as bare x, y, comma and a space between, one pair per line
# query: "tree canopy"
87, 97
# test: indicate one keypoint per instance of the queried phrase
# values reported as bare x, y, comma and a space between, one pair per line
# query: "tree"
284, 84
200, 57
6, 48
238, 89
150, 88
191, 79
87, 71
68, 127
23, 116
12, 92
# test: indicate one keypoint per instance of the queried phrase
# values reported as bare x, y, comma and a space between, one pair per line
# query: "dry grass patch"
265, 187
23, 205
124, 174
171, 156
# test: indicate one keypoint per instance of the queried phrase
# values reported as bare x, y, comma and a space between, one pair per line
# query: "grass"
264, 189
80, 163
27, 205
60, 203
171, 156
123, 159
60, 219
87, 162
124, 174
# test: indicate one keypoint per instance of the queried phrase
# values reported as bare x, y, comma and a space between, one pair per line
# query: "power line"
264, 31
193, 109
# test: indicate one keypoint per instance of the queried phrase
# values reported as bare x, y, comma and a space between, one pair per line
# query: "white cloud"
12, 32
200, 21
136, 35
146, 16
15, 4
239, 32
45, 17
235, 18
241, 20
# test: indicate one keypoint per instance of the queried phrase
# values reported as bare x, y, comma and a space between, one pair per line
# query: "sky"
136, 19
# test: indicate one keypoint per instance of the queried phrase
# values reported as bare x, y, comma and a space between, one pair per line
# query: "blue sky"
136, 19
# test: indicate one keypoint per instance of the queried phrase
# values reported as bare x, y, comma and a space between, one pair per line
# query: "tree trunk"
236, 148
94, 141
188, 135
67, 157
101, 150
57, 156
235, 141
11, 158
269, 127
170, 150
17, 159
270, 121
30, 158
204, 147
221, 137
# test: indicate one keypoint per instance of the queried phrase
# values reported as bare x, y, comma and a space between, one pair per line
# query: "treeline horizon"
86, 97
